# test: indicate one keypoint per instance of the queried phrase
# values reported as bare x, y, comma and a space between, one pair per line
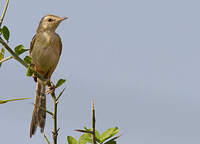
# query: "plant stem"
46, 139
8, 58
84, 131
13, 53
93, 123
4, 12
55, 130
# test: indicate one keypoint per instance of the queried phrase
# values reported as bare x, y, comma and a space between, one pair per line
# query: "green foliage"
111, 142
84, 138
20, 49
100, 139
97, 135
29, 71
60, 82
109, 133
5, 32
71, 140
5, 101
2, 52
27, 60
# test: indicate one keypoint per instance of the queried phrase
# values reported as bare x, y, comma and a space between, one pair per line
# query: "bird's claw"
51, 88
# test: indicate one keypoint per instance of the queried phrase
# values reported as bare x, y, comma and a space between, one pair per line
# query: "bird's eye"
50, 20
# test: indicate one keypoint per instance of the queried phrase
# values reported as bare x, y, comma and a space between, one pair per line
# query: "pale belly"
45, 58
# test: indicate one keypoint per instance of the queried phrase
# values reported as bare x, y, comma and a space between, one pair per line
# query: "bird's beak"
62, 18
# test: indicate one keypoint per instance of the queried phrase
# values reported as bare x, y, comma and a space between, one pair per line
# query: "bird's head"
50, 23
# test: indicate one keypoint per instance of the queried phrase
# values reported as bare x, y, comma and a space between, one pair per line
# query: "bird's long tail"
39, 111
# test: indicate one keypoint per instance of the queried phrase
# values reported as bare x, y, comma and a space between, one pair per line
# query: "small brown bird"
45, 51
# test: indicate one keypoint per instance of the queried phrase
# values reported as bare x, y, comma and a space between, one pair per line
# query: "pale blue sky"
139, 59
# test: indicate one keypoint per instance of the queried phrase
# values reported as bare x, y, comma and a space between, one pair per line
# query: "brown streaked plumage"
45, 51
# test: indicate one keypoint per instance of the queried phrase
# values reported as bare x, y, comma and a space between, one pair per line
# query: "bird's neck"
46, 31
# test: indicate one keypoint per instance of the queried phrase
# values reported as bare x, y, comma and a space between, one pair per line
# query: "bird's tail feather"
39, 110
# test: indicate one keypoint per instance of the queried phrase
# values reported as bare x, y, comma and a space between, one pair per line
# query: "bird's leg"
51, 88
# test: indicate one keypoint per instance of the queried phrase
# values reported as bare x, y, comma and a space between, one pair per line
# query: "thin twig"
60, 94
4, 12
93, 123
116, 137
13, 53
55, 131
49, 112
6, 59
46, 139
84, 131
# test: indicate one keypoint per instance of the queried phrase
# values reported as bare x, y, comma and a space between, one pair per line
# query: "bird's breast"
46, 51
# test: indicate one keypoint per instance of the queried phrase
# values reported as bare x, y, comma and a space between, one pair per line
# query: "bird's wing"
60, 44
32, 43
31, 48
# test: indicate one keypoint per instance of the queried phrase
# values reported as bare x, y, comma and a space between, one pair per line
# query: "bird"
45, 51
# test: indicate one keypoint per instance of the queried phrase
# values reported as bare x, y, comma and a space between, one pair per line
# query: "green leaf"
5, 32
1, 56
60, 82
29, 71
5, 101
85, 128
2, 52
20, 49
84, 138
98, 137
71, 140
27, 60
97, 134
109, 133
111, 142
60, 94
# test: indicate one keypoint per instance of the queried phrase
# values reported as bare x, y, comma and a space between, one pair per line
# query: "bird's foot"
51, 88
